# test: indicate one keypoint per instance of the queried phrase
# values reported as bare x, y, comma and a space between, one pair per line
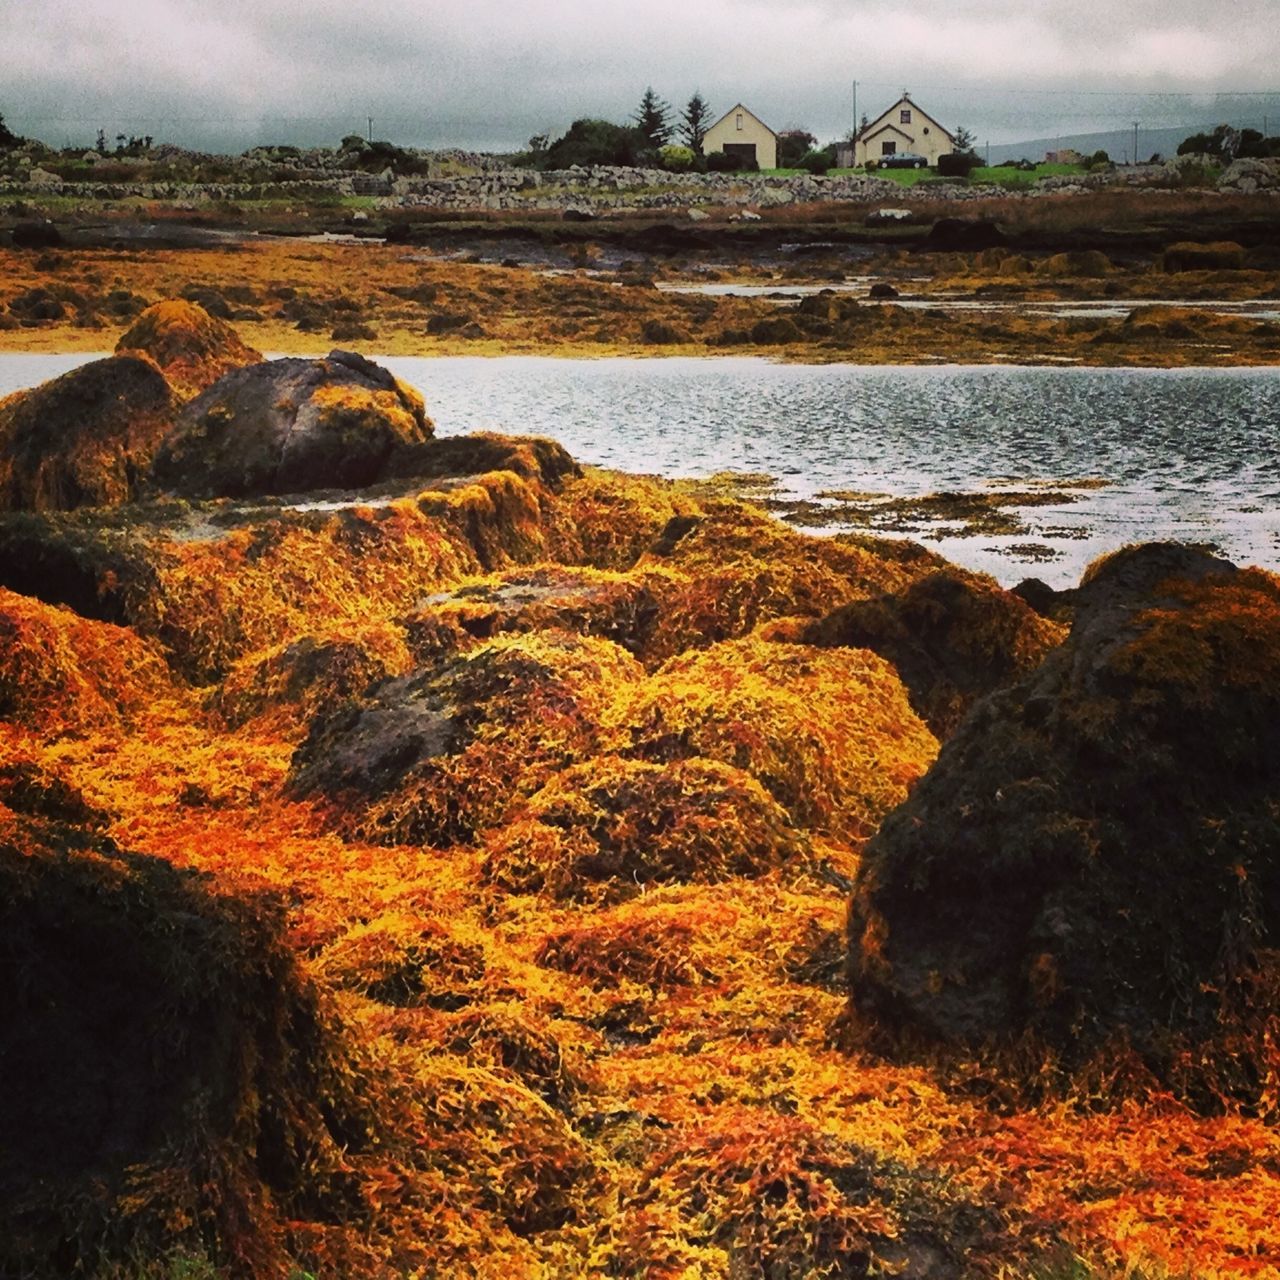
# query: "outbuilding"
744, 136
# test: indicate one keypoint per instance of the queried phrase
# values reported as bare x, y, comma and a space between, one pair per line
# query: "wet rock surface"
1095, 857
289, 426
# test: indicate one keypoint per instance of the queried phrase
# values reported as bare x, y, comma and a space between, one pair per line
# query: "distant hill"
1117, 143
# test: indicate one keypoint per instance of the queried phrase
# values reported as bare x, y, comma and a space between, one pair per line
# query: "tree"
596, 142
695, 121
1223, 143
964, 141
8, 139
653, 118
792, 145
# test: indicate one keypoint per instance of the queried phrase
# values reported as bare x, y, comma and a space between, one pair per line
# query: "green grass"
996, 174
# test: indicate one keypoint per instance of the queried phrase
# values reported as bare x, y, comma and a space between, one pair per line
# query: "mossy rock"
610, 828
1095, 858
172, 1080
85, 439
434, 756
289, 426
192, 348
953, 637
828, 733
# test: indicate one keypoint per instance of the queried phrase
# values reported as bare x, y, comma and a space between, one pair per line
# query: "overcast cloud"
227, 74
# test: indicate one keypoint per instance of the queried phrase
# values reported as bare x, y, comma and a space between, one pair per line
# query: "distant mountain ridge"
1117, 143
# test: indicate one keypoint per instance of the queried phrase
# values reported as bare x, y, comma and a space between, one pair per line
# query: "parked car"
903, 160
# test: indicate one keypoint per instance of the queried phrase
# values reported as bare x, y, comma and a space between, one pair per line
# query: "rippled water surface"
1188, 453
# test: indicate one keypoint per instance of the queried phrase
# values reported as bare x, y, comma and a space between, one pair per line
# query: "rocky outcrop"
154, 1027
189, 346
1095, 858
953, 637
434, 756
289, 426
85, 439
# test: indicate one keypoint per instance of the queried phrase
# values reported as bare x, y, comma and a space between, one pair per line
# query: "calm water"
1190, 454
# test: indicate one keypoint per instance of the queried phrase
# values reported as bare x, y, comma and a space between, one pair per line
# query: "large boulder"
188, 345
289, 426
85, 439
171, 1079
1094, 860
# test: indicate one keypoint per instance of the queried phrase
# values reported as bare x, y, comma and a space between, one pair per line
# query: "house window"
926, 128
904, 116
888, 148
739, 119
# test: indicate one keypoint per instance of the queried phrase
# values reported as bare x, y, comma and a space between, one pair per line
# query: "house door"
742, 152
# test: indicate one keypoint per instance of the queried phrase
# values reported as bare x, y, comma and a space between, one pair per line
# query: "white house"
744, 136
904, 127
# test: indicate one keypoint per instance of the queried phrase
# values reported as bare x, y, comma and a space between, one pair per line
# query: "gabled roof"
905, 101
737, 106
887, 128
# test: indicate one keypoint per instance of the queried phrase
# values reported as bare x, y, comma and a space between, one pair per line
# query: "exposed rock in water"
1095, 858
289, 426
167, 1071
85, 439
189, 346
954, 637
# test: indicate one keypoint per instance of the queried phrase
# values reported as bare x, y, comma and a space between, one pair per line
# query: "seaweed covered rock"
61, 673
1095, 857
827, 732
289, 426
293, 680
530, 457
189, 346
620, 607
610, 828
170, 1079
431, 757
953, 637
86, 439
730, 568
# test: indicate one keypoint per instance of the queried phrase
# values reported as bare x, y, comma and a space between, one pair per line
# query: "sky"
488, 74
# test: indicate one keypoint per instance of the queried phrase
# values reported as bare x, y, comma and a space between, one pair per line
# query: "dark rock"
775, 330
153, 1028
882, 290
84, 439
578, 215
660, 333
288, 426
1094, 860
963, 235
533, 457
447, 322
208, 299
40, 234
954, 637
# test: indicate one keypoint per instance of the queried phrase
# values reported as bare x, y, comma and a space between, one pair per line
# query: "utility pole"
370, 128
1135, 142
